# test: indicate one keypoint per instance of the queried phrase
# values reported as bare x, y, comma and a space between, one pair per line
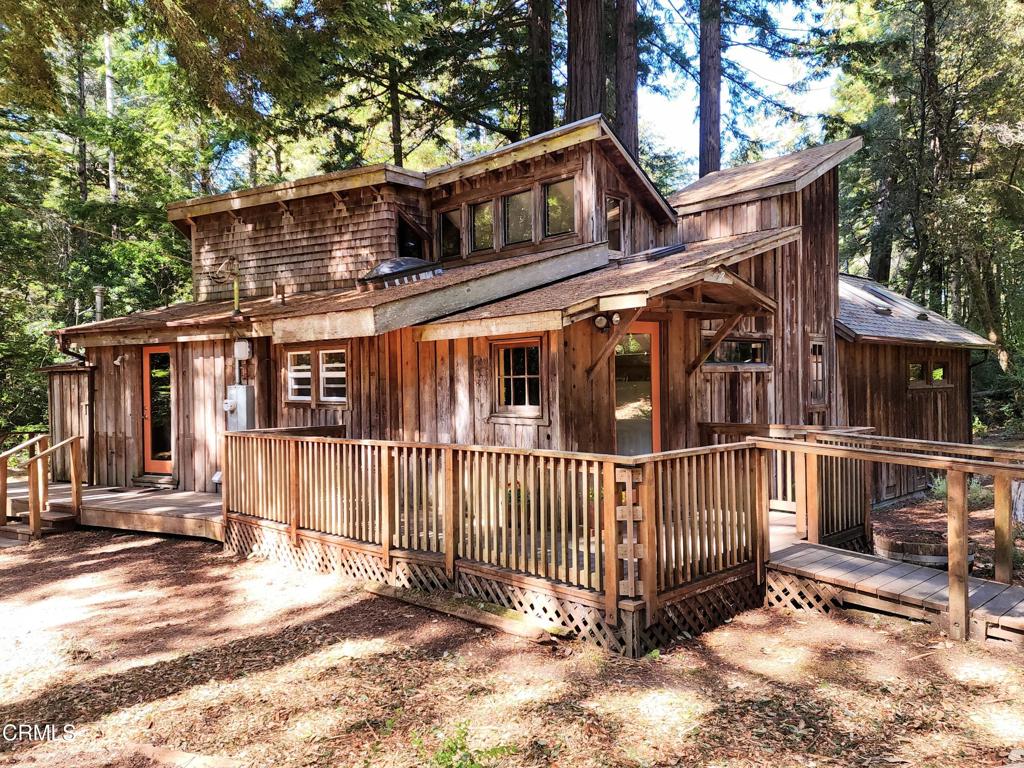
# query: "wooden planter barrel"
933, 554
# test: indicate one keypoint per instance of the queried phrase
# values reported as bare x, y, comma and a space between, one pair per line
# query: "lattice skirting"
788, 590
309, 554
585, 621
682, 618
699, 612
853, 540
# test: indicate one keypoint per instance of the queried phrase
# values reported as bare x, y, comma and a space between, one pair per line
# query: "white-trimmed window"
518, 377
333, 375
300, 376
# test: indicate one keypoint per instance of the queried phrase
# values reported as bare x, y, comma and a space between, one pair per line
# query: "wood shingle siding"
314, 243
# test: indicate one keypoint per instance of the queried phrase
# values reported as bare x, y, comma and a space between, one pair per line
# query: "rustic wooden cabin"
904, 370
521, 377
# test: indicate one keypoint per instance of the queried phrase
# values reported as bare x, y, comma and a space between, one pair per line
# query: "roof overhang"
442, 300
716, 290
759, 193
848, 334
340, 181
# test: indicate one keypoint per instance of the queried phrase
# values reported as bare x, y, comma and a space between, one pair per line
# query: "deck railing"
40, 455
632, 528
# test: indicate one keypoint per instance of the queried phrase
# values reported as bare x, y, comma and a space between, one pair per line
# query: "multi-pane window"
817, 371
451, 234
482, 217
519, 218
915, 374
517, 377
928, 374
559, 208
613, 219
333, 376
741, 352
300, 376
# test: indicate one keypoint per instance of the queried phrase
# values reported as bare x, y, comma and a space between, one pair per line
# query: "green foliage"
454, 752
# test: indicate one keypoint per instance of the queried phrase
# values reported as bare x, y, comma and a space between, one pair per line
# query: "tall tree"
710, 152
626, 66
585, 60
541, 95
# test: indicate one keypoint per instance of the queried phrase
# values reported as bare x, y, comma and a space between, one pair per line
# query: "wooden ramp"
147, 510
822, 578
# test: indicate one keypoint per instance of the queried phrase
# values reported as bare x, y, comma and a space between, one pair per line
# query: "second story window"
519, 218
559, 208
482, 217
613, 220
410, 243
451, 234
300, 376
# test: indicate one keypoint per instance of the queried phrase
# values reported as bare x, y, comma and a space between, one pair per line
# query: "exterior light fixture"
601, 322
615, 318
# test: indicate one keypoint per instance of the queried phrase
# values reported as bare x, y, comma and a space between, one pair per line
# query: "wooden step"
53, 518
160, 482
22, 531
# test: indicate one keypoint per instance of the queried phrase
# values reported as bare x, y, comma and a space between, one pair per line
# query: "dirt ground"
923, 518
139, 640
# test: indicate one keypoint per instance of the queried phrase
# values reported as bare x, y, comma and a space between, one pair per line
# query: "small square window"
519, 218
939, 373
517, 377
559, 208
613, 219
451, 234
300, 376
482, 215
741, 352
915, 374
334, 376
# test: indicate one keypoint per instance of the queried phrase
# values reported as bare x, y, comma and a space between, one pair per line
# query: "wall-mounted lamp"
604, 322
118, 359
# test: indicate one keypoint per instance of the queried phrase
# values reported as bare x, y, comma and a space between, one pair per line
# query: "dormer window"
613, 222
482, 217
559, 208
410, 242
519, 217
451, 234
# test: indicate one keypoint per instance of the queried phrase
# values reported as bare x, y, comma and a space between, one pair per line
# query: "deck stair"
54, 519
822, 578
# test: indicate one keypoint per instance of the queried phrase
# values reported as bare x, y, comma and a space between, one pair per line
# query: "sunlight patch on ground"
776, 657
1003, 721
983, 672
121, 544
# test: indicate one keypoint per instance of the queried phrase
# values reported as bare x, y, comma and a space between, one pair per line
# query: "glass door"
156, 410
638, 391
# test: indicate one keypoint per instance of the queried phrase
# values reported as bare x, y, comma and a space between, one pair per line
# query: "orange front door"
638, 391
156, 410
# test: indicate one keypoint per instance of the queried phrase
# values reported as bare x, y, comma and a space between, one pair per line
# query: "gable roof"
766, 178
868, 311
589, 129
620, 285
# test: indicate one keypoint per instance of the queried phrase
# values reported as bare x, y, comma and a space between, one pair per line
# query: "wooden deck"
819, 577
183, 513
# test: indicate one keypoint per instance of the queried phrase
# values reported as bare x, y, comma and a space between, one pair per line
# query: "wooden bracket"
620, 330
727, 327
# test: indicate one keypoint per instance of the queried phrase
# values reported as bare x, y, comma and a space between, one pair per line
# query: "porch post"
76, 477
649, 541
813, 493
451, 519
293, 489
387, 481
610, 493
762, 533
956, 512
1004, 528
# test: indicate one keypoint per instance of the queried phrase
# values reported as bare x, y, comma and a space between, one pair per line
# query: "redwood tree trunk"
585, 84
625, 77
395, 107
710, 86
541, 96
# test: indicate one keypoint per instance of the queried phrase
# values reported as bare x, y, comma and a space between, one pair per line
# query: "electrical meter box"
240, 407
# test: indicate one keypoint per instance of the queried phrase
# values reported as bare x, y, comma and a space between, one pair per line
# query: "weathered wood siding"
200, 374
802, 278
70, 412
875, 392
313, 243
